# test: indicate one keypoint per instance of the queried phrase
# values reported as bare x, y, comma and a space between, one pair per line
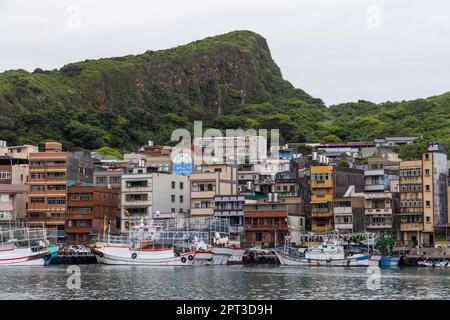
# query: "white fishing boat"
326, 254
23, 247
226, 251
143, 247
125, 255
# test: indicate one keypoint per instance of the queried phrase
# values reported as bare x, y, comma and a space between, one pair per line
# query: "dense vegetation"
228, 81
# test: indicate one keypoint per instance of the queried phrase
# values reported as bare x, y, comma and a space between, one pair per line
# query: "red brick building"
88, 208
265, 223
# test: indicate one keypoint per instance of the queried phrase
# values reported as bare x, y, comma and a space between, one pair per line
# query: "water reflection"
222, 282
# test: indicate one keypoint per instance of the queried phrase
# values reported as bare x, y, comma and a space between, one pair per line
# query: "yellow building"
322, 197
327, 184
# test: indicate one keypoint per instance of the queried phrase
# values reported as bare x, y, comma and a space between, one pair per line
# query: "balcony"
228, 213
321, 228
371, 173
137, 188
378, 211
203, 194
321, 184
266, 227
344, 226
378, 225
321, 198
342, 210
202, 211
378, 195
323, 214
137, 203
409, 227
374, 187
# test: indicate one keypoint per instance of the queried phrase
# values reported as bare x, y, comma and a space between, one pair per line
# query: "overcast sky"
338, 51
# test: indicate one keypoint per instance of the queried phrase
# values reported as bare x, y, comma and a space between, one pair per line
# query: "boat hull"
389, 262
224, 255
203, 258
120, 255
354, 261
23, 257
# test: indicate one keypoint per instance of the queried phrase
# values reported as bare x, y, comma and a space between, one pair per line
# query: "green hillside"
228, 81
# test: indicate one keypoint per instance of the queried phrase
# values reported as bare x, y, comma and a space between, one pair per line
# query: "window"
37, 188
181, 185
85, 196
321, 177
37, 200
428, 220
80, 210
173, 184
5, 175
115, 179
57, 187
100, 180
37, 175
56, 175
181, 199
427, 187
427, 156
258, 236
56, 200
172, 198
172, 210
427, 172
217, 170
428, 203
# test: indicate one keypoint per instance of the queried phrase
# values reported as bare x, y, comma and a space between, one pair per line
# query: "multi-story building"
149, 194
90, 211
13, 189
423, 195
380, 200
232, 208
208, 181
411, 201
153, 156
50, 171
13, 199
47, 190
16, 152
348, 212
328, 183
108, 177
266, 222
234, 149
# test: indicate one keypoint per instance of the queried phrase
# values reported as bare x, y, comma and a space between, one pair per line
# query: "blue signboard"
182, 169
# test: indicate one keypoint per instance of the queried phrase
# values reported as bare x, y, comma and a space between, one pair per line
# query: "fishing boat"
433, 263
326, 254
23, 247
226, 251
143, 247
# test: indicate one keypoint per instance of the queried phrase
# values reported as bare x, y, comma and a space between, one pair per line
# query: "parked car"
254, 251
76, 250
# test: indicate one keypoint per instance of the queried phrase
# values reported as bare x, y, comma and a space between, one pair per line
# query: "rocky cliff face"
124, 101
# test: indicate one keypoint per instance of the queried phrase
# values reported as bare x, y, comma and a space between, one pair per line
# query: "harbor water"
223, 282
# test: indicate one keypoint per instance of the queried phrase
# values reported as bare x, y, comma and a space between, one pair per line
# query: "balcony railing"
379, 211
